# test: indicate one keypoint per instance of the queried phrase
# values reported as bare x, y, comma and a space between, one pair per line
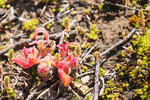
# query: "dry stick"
87, 73
89, 52
96, 82
43, 9
119, 5
56, 17
78, 97
98, 63
71, 25
51, 36
46, 90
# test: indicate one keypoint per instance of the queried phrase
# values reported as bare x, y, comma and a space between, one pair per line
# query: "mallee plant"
63, 61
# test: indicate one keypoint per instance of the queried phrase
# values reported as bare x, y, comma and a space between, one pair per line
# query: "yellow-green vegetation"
84, 69
11, 55
87, 45
48, 26
2, 4
88, 97
93, 32
110, 86
11, 93
100, 7
51, 1
7, 87
102, 71
143, 50
30, 25
66, 22
56, 10
117, 66
87, 11
134, 20
80, 31
137, 72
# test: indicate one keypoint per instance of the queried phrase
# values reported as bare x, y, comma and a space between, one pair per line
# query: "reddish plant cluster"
64, 61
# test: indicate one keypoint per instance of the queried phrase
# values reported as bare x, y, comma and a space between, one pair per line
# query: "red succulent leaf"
74, 44
59, 64
74, 63
63, 50
41, 30
23, 62
33, 60
66, 79
27, 51
69, 57
67, 70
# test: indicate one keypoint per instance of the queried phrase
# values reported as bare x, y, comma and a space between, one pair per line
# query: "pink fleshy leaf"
33, 42
74, 63
67, 70
63, 50
74, 44
59, 64
66, 79
33, 60
69, 57
24, 63
41, 30
27, 51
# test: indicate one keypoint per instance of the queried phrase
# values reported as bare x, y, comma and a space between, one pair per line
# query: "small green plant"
87, 45
80, 31
102, 72
134, 20
100, 7
93, 32
11, 55
7, 87
30, 25
2, 3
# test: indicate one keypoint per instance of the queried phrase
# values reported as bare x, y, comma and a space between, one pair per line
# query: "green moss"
30, 25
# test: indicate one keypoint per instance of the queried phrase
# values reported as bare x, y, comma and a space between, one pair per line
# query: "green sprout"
30, 25
11, 55
6, 82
